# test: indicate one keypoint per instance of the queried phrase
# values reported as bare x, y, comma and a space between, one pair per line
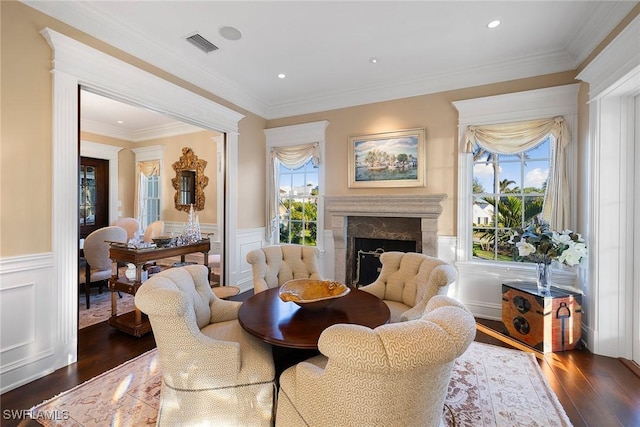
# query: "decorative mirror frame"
190, 162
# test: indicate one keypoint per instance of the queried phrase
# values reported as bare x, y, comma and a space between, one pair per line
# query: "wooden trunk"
547, 323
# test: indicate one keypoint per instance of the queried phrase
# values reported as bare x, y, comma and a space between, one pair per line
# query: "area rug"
100, 310
490, 386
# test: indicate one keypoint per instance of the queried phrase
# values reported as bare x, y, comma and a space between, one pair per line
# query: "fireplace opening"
367, 265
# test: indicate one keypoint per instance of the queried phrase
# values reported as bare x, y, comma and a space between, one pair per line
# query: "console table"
135, 323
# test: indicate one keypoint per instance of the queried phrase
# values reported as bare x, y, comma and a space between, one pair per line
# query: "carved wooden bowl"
312, 294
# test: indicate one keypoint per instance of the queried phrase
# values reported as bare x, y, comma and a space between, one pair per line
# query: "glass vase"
543, 278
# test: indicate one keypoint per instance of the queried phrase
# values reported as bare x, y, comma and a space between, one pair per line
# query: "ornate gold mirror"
190, 181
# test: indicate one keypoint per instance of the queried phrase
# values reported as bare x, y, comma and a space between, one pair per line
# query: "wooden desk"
135, 323
286, 324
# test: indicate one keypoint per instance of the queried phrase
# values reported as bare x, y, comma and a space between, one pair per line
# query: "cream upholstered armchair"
97, 269
408, 280
213, 371
274, 265
394, 375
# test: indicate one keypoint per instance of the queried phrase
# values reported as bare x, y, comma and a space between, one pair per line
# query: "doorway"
144, 137
93, 197
82, 65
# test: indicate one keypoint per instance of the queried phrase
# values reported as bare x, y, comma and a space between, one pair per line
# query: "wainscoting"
28, 308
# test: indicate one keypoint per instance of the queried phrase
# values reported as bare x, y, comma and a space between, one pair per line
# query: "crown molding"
156, 132
476, 75
87, 18
618, 63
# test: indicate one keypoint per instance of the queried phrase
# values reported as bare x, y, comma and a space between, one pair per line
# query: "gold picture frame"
388, 159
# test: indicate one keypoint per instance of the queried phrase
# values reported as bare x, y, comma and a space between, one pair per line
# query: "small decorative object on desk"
191, 232
162, 241
539, 244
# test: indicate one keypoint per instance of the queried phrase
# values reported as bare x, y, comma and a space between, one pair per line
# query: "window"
298, 204
480, 271
295, 181
150, 199
148, 191
508, 191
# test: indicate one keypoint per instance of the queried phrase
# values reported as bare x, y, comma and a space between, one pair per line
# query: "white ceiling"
324, 47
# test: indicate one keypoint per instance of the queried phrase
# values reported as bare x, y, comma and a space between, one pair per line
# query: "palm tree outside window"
508, 191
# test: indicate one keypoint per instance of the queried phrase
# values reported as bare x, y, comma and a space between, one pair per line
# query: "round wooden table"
286, 324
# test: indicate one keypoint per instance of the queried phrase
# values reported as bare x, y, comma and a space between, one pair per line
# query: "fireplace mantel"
340, 208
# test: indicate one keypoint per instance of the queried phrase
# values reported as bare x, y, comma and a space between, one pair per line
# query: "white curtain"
143, 169
292, 158
511, 138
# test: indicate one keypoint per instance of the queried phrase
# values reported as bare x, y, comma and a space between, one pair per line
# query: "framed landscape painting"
390, 159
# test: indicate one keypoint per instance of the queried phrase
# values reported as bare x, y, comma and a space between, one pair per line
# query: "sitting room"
462, 172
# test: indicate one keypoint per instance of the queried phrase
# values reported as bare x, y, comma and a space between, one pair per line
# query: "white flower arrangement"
538, 243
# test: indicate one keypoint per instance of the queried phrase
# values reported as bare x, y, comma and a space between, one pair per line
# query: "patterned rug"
100, 310
490, 386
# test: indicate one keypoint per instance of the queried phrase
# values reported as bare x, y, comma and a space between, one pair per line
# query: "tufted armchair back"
407, 281
407, 363
274, 265
212, 369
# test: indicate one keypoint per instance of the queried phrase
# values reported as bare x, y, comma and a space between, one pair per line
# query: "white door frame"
614, 83
77, 65
636, 239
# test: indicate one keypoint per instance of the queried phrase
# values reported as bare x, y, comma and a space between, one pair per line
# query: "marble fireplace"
402, 222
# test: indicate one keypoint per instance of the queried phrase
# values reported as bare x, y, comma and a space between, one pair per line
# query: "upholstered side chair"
407, 282
394, 375
97, 268
130, 224
155, 229
271, 266
213, 371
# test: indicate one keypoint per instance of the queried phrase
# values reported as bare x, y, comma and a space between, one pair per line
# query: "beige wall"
26, 135
433, 112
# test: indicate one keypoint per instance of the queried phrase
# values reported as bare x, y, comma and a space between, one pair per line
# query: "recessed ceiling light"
230, 33
120, 122
373, 60
282, 75
493, 24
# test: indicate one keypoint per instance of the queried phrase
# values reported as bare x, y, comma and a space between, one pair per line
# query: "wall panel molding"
27, 309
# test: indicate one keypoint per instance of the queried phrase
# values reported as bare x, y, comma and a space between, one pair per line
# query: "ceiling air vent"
201, 43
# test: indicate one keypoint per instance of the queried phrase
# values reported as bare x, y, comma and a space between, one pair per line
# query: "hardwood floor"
594, 390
